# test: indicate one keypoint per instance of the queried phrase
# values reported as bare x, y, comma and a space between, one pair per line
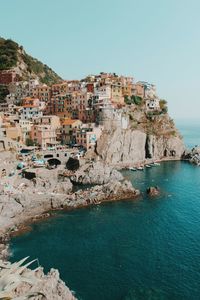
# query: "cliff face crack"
148, 147
17, 199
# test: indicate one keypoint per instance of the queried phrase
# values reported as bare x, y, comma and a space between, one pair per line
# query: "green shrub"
8, 54
164, 110
29, 142
136, 100
162, 103
132, 100
127, 100
3, 93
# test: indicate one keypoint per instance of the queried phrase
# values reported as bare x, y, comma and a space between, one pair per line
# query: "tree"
3, 93
165, 110
136, 100
29, 142
163, 106
162, 103
127, 100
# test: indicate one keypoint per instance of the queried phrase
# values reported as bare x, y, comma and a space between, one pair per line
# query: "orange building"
68, 129
61, 104
43, 93
116, 93
59, 88
30, 101
139, 89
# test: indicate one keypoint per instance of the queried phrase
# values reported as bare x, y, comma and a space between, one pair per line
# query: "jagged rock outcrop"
18, 208
153, 191
22, 199
113, 190
17, 281
193, 156
53, 287
96, 173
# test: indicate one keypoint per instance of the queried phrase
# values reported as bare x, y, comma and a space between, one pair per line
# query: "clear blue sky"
157, 41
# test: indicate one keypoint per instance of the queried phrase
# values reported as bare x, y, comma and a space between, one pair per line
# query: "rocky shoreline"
24, 201
193, 156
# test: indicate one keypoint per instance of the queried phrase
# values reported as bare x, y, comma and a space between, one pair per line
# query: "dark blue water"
139, 249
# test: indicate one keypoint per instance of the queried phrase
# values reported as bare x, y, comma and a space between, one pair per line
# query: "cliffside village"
72, 112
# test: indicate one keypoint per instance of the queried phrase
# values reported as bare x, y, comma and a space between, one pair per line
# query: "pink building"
43, 135
88, 136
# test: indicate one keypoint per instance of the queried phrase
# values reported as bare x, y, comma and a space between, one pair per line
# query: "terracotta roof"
30, 98
30, 105
69, 122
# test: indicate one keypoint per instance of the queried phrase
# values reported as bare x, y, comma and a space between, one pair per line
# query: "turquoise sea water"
147, 248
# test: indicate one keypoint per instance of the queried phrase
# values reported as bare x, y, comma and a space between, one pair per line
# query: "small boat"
156, 164
148, 166
140, 168
151, 165
133, 169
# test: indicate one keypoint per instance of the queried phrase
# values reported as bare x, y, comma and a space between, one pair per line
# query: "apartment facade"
43, 135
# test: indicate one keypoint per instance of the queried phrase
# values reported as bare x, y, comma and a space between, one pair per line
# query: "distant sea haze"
190, 130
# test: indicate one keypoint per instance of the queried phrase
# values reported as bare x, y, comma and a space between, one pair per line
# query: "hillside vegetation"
13, 56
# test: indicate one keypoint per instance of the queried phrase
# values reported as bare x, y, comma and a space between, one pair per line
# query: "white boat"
148, 166
140, 168
132, 169
156, 164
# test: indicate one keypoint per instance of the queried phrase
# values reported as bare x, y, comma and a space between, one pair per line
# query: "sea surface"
190, 130
141, 249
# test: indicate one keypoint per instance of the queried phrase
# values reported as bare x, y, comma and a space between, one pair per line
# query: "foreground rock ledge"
19, 281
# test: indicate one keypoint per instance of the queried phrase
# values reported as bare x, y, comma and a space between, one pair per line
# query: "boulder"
193, 155
153, 191
96, 173
24, 283
64, 187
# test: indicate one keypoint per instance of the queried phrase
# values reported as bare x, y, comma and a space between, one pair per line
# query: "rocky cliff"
144, 138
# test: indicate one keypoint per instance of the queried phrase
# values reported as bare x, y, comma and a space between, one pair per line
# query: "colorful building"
87, 136
59, 88
25, 126
43, 135
31, 108
68, 130
51, 120
61, 104
152, 104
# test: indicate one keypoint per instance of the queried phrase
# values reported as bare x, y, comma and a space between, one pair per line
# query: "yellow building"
116, 93
68, 129
52, 120
60, 88
42, 92
14, 133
